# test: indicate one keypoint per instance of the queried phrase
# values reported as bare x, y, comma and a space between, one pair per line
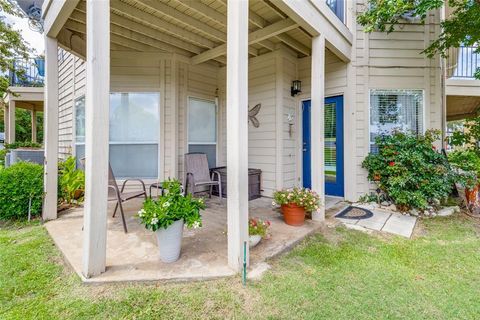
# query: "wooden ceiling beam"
150, 21
140, 33
285, 38
79, 27
184, 19
217, 17
254, 37
129, 39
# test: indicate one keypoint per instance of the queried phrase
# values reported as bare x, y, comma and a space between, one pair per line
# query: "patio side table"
158, 186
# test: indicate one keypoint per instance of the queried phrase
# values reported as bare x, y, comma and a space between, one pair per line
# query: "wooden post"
318, 122
97, 106
50, 121
237, 133
33, 114
11, 121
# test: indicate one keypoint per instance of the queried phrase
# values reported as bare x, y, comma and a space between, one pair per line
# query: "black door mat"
352, 212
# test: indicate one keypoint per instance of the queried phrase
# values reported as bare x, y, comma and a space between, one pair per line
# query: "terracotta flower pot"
77, 194
471, 195
293, 215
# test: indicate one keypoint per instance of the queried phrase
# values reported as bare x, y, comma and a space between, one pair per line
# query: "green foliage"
71, 181
302, 197
468, 161
18, 184
12, 44
461, 27
469, 137
409, 170
258, 227
170, 207
466, 156
23, 124
23, 144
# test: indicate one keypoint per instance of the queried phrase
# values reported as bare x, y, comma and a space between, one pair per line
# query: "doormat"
354, 213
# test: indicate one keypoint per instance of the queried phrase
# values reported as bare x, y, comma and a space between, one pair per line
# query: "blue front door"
334, 178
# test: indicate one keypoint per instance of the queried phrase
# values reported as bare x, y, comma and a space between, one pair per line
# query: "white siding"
379, 61
393, 61
71, 81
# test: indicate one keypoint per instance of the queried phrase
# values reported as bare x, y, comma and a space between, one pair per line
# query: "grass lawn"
340, 274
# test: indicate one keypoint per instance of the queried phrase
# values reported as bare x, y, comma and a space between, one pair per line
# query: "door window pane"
395, 110
330, 142
202, 128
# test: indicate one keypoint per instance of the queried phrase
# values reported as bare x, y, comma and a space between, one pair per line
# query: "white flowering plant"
170, 207
302, 197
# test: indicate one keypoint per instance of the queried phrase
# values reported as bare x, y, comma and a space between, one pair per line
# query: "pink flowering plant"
170, 207
258, 227
302, 197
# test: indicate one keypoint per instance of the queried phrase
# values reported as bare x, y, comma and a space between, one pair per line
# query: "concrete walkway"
384, 221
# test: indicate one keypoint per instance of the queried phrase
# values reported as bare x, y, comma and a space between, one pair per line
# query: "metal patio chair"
116, 194
197, 175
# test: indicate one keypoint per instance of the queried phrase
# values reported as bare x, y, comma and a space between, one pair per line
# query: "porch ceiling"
461, 107
193, 28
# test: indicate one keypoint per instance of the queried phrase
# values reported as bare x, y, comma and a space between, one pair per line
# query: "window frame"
159, 137
217, 125
422, 116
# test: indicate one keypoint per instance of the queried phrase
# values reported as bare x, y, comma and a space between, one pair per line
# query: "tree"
462, 27
12, 44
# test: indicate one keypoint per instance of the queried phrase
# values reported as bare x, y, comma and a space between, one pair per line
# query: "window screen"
134, 132
395, 110
202, 128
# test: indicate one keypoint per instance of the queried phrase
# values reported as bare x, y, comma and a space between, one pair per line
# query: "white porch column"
318, 122
237, 133
33, 114
5, 121
96, 137
50, 115
11, 121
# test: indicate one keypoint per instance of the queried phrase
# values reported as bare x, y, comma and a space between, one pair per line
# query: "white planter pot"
254, 240
170, 241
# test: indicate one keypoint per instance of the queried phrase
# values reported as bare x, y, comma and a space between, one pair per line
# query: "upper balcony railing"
338, 7
463, 62
27, 73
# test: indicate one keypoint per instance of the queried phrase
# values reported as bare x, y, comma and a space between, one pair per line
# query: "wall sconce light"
296, 87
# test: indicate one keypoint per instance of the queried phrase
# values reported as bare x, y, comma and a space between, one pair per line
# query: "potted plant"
295, 202
167, 215
257, 230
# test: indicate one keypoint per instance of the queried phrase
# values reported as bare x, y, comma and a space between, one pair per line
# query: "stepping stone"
400, 225
376, 222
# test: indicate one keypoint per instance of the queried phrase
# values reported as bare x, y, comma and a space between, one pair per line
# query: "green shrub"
18, 184
71, 181
23, 144
409, 170
467, 163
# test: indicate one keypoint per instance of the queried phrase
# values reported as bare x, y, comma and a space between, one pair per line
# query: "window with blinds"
395, 110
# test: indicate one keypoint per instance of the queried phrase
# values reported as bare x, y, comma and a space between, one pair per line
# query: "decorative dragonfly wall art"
252, 115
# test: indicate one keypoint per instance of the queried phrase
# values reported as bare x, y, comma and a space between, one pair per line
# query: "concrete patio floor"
134, 256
